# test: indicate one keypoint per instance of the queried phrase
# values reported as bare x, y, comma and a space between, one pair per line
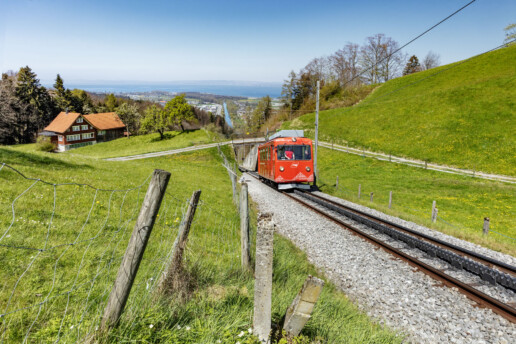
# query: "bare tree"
344, 64
380, 58
318, 68
510, 33
430, 61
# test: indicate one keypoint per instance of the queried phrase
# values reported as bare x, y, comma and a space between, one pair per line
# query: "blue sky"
159, 41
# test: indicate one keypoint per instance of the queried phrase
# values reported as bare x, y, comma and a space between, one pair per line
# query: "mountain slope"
462, 114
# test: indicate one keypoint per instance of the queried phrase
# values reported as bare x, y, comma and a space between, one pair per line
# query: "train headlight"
307, 168
281, 168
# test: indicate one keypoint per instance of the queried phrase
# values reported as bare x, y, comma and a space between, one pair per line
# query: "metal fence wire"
61, 245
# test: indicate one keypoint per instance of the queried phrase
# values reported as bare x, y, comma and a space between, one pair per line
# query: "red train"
287, 161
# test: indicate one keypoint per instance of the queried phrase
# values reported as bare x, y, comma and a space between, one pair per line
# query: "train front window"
294, 152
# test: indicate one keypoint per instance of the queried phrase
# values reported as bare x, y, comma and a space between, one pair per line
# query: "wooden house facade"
72, 130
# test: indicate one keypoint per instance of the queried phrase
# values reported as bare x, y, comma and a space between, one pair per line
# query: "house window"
84, 127
80, 120
75, 137
102, 132
60, 137
87, 136
76, 128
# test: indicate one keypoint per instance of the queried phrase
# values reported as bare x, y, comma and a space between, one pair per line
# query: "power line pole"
316, 132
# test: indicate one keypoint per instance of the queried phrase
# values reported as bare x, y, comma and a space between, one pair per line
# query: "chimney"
67, 111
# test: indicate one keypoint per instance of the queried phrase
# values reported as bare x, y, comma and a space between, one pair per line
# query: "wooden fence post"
301, 308
485, 230
135, 249
180, 243
390, 199
434, 214
263, 279
359, 187
245, 247
371, 199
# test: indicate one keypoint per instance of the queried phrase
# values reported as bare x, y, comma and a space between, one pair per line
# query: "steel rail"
465, 252
481, 298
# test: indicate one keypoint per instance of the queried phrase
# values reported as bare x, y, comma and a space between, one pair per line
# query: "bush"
44, 144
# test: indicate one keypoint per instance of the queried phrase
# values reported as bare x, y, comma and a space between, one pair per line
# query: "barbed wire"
75, 276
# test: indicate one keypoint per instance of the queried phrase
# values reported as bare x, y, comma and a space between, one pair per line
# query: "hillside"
462, 114
62, 244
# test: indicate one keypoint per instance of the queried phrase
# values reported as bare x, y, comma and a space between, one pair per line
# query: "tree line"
26, 107
346, 77
354, 66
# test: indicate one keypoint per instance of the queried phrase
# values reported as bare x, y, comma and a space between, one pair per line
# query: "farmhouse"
72, 130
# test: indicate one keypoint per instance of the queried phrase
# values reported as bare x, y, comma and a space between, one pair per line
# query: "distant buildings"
72, 130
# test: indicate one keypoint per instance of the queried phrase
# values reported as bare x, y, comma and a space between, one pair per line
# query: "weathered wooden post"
359, 187
263, 277
301, 308
434, 214
371, 196
180, 243
426, 164
485, 230
390, 199
245, 247
135, 249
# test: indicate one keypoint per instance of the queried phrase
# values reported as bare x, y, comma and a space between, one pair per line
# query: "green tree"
130, 116
30, 92
510, 33
155, 120
261, 113
111, 102
178, 110
287, 91
412, 66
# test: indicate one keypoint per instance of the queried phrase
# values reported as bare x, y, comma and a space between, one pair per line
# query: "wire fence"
360, 195
61, 245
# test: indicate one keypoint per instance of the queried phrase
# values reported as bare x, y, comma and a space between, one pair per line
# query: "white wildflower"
250, 330
237, 343
219, 341
241, 334
187, 328
71, 327
151, 326
178, 327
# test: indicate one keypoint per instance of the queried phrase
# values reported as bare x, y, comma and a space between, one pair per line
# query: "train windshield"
294, 152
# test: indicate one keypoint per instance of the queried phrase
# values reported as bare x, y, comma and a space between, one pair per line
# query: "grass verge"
66, 287
463, 202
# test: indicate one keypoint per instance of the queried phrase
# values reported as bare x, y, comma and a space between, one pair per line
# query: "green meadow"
62, 244
463, 115
462, 201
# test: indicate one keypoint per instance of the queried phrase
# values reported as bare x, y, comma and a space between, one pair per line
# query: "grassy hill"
462, 114
39, 221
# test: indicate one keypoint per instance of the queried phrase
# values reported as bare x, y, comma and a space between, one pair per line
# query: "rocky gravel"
386, 288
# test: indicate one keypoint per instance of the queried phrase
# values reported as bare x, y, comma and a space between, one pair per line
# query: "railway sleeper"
487, 274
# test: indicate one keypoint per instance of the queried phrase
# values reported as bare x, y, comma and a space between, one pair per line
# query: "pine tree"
412, 66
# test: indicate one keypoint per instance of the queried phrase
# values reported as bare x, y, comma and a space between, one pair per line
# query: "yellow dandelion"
177, 219
98, 202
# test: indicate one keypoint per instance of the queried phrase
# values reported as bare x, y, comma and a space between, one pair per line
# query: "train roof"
287, 133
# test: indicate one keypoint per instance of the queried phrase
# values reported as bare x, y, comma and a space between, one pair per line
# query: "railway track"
489, 270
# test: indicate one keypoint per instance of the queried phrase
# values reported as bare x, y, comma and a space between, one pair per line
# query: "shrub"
44, 144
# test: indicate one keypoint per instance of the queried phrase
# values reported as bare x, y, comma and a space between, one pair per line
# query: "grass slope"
463, 202
221, 299
463, 116
138, 144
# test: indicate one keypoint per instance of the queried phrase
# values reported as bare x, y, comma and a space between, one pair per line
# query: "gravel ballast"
386, 288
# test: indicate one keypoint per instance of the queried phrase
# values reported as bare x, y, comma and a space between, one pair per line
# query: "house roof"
62, 122
105, 121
